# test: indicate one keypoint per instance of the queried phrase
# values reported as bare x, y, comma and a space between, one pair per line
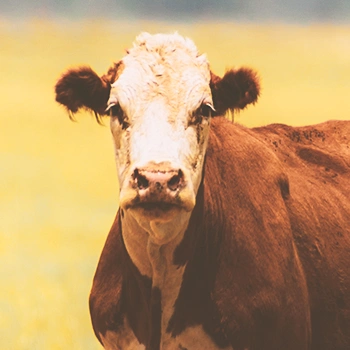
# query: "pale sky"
299, 11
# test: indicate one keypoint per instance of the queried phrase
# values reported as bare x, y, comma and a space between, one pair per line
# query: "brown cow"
226, 237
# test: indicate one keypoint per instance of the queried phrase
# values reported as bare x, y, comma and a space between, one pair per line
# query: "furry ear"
235, 90
83, 88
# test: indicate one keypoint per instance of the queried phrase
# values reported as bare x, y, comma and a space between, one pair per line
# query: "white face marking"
159, 93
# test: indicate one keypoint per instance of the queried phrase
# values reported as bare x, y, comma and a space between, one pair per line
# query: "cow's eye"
202, 113
115, 111
205, 110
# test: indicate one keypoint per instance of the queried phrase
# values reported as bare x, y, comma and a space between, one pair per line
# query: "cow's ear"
235, 90
83, 88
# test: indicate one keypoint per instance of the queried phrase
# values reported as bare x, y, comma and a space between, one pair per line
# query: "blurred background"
58, 183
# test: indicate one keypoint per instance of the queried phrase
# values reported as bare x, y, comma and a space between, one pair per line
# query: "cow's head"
160, 98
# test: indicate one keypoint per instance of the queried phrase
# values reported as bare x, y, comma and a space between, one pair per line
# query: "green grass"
58, 188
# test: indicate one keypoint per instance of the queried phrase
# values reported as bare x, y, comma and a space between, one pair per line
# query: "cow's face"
160, 99
160, 107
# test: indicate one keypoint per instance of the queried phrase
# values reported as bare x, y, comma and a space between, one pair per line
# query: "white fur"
163, 82
123, 340
193, 338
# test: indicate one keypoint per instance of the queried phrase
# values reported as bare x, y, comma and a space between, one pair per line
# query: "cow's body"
267, 249
226, 237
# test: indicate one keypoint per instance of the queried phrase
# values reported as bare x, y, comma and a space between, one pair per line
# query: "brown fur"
83, 88
112, 286
235, 90
267, 248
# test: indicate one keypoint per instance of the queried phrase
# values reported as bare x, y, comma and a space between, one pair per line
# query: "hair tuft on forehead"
165, 43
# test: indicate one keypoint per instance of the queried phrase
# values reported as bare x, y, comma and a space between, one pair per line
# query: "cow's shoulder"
119, 295
106, 290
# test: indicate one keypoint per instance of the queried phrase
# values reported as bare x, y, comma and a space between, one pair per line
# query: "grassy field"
58, 185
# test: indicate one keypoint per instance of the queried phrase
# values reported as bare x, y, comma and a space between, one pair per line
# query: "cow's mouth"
159, 206
156, 210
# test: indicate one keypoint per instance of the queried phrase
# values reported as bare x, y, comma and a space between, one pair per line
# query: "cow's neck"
156, 262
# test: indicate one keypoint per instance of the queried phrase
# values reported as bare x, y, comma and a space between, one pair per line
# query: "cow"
226, 237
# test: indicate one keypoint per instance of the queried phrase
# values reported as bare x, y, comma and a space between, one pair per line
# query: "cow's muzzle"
157, 182
158, 187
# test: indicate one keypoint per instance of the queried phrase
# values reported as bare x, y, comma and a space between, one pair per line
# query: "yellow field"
58, 185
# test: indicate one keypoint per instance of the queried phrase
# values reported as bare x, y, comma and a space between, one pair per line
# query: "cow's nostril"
140, 180
174, 182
